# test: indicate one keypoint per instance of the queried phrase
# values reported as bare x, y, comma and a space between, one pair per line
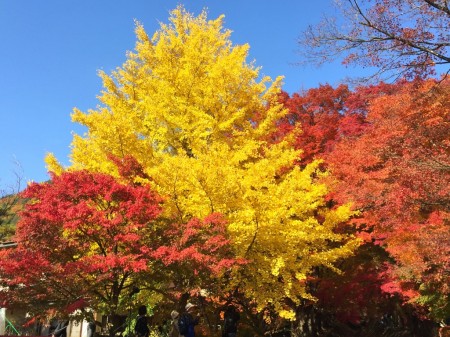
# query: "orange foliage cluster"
388, 148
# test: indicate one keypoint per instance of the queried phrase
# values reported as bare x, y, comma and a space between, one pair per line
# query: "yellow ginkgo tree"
189, 107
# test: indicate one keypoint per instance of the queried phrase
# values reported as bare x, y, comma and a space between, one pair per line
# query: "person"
230, 321
187, 321
174, 332
90, 329
141, 327
61, 329
91, 326
45, 331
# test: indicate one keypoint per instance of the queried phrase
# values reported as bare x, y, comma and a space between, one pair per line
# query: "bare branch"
393, 36
444, 9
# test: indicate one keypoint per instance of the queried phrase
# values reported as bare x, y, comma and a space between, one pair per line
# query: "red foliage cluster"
200, 244
317, 112
80, 235
88, 238
388, 148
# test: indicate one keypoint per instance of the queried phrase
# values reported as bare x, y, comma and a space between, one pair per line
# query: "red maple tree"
397, 173
314, 117
80, 236
89, 239
387, 148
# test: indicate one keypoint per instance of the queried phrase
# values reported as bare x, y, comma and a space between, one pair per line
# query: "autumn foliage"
188, 106
88, 239
401, 181
407, 38
80, 235
389, 154
199, 179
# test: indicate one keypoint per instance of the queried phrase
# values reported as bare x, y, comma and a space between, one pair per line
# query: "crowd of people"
183, 325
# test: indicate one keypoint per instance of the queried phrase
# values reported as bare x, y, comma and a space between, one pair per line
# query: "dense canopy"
194, 113
197, 179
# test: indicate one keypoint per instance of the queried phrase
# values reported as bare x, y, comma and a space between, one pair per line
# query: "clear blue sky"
51, 51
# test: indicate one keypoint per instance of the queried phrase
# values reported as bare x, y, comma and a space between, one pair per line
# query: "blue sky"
51, 51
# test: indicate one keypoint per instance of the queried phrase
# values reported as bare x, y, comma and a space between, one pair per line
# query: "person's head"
174, 314
231, 308
189, 307
142, 310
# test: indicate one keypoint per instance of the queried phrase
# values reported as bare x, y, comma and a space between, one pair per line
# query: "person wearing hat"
174, 332
187, 321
